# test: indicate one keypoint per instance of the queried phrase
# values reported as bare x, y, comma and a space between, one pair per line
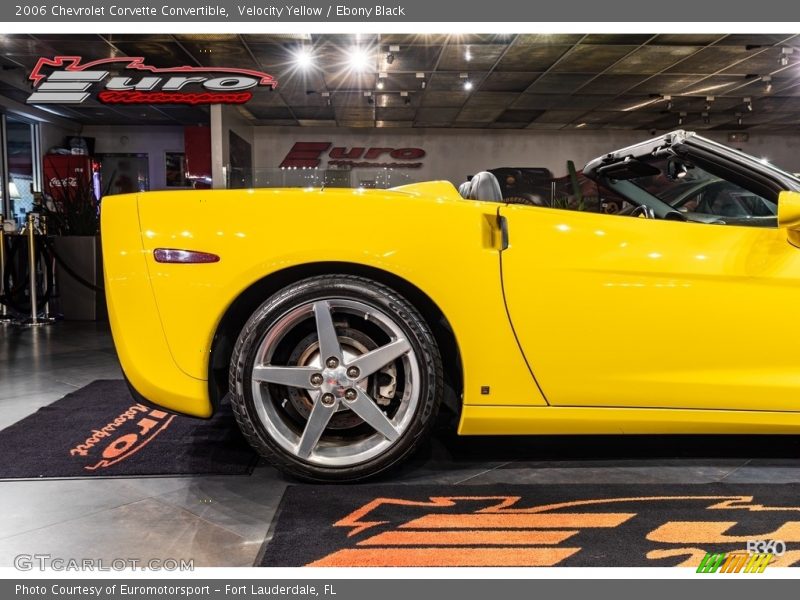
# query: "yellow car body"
563, 321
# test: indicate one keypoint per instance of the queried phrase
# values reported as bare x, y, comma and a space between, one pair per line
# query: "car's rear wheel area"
335, 378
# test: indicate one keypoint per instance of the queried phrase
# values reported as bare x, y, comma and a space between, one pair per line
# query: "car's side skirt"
559, 420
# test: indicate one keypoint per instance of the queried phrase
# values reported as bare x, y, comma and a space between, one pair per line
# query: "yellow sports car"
338, 320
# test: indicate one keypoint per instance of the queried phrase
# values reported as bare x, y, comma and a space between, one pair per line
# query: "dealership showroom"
223, 341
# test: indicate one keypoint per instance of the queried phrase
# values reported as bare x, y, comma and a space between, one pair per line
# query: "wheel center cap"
335, 381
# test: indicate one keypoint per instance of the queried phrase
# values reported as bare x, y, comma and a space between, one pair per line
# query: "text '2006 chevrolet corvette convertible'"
338, 320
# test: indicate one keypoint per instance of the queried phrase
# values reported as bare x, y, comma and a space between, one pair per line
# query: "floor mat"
531, 525
100, 430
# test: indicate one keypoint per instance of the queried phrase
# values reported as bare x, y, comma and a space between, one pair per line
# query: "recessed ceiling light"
358, 60
467, 85
303, 58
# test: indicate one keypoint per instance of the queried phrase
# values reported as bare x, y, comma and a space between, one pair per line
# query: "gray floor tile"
143, 530
239, 504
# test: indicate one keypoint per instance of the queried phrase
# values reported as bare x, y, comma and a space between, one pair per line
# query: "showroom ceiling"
534, 81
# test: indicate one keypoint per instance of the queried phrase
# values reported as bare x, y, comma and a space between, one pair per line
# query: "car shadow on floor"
697, 458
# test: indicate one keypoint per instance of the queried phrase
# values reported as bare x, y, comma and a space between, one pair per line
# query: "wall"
153, 141
454, 154
55, 135
224, 119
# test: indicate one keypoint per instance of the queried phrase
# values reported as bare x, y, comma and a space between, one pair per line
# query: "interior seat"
484, 186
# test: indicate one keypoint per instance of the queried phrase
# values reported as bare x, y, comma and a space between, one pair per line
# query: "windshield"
690, 189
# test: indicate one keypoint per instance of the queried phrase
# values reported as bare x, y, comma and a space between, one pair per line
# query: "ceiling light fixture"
390, 55
468, 55
767, 83
358, 59
785, 54
739, 119
669, 102
380, 84
303, 58
709, 100
681, 117
748, 103
706, 118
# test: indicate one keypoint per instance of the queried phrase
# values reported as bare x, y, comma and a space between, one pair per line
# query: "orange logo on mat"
448, 531
122, 437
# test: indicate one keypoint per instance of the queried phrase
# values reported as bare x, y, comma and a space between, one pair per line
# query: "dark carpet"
100, 430
565, 525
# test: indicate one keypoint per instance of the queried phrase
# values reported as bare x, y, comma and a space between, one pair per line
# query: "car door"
630, 312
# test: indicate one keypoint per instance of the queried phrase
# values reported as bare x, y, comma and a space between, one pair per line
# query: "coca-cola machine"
69, 177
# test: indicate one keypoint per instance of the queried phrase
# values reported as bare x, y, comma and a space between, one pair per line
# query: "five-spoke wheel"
335, 378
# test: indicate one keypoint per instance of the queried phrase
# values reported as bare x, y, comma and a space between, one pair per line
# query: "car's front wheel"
335, 378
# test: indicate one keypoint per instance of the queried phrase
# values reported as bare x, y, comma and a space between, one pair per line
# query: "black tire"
330, 287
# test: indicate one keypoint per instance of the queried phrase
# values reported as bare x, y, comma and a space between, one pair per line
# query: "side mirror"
789, 210
789, 215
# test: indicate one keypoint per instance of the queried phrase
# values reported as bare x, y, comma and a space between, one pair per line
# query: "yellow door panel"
623, 312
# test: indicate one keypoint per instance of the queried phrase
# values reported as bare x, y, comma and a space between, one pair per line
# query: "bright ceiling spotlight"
785, 54
303, 58
358, 60
748, 102
468, 55
767, 84
468, 85
380, 85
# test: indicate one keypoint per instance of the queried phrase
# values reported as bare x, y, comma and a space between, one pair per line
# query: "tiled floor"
222, 521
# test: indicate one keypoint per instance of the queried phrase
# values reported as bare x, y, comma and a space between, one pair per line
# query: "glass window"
20, 153
703, 196
124, 173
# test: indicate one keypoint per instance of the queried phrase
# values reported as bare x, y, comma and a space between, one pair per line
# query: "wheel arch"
243, 306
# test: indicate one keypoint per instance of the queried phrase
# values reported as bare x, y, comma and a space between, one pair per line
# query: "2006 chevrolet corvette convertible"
338, 320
